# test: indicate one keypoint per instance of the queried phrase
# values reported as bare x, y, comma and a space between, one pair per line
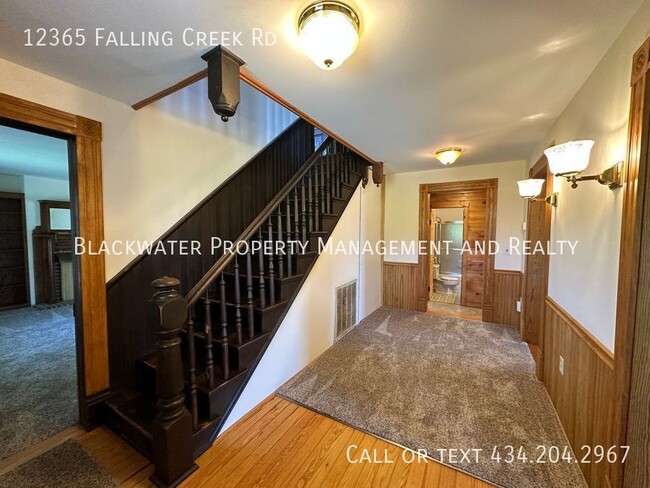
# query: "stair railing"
291, 215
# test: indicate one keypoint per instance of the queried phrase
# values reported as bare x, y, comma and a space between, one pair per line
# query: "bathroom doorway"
447, 235
467, 220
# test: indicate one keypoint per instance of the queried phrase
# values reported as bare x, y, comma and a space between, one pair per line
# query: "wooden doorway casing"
84, 138
535, 283
491, 187
632, 348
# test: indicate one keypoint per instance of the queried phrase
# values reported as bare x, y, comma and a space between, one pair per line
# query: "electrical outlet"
561, 365
518, 305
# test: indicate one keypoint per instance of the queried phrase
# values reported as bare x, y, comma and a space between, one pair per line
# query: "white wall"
38, 188
308, 329
160, 161
585, 285
402, 205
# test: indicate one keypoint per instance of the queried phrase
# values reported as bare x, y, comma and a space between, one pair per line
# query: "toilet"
448, 280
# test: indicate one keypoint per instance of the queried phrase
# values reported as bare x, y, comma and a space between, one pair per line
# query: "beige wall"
585, 285
402, 193
162, 160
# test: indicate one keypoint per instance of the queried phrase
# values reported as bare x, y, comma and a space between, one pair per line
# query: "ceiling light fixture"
448, 155
329, 33
572, 158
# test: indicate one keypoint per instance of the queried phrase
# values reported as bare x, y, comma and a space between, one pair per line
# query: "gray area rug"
67, 465
38, 376
433, 382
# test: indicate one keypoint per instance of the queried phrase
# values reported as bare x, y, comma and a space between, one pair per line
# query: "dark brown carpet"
433, 382
67, 465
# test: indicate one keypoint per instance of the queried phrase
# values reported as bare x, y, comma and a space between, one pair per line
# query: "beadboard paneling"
507, 290
583, 395
399, 287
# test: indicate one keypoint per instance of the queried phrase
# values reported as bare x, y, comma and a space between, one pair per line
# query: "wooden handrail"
217, 268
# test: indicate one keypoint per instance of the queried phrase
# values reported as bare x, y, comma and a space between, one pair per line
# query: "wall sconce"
572, 158
531, 188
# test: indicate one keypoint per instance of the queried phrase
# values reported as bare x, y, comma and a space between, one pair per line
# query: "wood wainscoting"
584, 395
507, 290
400, 286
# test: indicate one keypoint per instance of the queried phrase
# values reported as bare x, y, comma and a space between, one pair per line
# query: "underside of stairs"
232, 312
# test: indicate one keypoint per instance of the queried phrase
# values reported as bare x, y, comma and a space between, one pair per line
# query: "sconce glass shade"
530, 188
569, 158
448, 155
329, 33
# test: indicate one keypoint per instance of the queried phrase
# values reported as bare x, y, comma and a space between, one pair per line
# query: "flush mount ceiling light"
572, 158
448, 155
532, 187
329, 33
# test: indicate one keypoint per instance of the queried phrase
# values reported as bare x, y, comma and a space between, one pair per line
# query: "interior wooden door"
14, 274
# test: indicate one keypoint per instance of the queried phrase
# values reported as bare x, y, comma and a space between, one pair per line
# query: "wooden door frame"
539, 170
632, 323
491, 189
84, 138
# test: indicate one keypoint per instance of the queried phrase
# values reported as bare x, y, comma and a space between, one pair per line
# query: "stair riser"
264, 319
305, 262
213, 404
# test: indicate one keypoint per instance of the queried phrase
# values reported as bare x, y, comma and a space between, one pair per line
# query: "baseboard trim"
95, 409
594, 344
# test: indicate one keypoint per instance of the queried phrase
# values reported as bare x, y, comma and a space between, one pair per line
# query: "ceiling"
30, 154
490, 76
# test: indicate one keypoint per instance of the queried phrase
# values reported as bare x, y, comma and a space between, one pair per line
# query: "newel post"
172, 429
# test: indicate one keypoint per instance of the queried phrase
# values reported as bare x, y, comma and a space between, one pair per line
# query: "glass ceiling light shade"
448, 155
329, 33
569, 158
530, 188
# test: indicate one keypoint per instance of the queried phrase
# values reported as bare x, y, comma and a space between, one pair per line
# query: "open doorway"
38, 363
458, 221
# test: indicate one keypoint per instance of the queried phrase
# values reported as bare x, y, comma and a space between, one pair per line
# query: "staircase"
211, 339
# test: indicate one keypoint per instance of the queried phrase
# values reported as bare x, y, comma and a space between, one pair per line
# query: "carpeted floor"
433, 382
38, 376
67, 465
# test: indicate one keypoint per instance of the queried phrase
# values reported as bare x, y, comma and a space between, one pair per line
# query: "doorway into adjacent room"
38, 361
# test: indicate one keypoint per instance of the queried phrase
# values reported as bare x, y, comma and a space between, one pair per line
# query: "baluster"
191, 380
337, 178
317, 198
347, 169
328, 190
225, 363
289, 237
280, 251
310, 201
261, 266
271, 266
172, 428
296, 215
303, 214
237, 303
249, 295
209, 358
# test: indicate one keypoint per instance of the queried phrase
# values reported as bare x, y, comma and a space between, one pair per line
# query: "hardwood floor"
278, 444
453, 310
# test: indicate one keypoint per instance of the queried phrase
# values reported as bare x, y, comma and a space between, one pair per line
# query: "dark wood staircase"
211, 339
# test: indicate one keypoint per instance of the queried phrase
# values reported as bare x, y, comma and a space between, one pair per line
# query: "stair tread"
232, 337
286, 279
